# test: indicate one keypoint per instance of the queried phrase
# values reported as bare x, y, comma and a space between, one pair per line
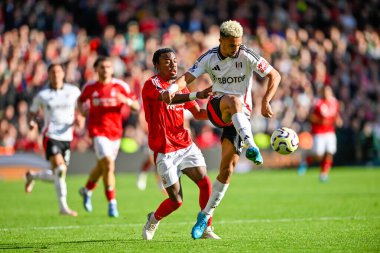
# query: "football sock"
166, 207
110, 193
326, 166
60, 186
243, 128
44, 175
205, 189
218, 191
90, 185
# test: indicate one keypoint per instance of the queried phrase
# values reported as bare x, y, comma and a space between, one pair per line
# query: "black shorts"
229, 131
53, 147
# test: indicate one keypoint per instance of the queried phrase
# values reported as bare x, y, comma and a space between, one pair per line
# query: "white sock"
218, 191
60, 186
44, 175
243, 128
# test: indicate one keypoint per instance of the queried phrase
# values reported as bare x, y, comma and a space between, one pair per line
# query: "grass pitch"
263, 211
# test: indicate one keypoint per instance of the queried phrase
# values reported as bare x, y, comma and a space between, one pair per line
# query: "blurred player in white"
105, 98
230, 66
174, 151
58, 101
323, 117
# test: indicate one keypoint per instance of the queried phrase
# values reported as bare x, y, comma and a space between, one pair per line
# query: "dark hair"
159, 52
99, 60
53, 65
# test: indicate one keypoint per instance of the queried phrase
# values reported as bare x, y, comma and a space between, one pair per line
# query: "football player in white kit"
58, 101
230, 66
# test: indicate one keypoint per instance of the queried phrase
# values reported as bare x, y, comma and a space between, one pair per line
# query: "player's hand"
32, 124
205, 93
167, 97
266, 109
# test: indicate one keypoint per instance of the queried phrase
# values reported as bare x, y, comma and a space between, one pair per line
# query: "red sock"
326, 166
166, 207
205, 189
146, 166
110, 193
309, 160
90, 185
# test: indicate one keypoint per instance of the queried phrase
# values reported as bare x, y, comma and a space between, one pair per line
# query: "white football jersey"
232, 75
59, 109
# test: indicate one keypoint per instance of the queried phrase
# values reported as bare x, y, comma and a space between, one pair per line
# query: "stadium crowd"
311, 43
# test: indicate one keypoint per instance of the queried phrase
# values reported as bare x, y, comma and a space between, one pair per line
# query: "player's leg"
31, 177
143, 173
106, 151
327, 160
194, 166
43, 175
86, 192
168, 171
59, 162
108, 168
228, 108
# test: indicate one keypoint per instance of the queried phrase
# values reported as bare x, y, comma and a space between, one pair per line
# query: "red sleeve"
150, 91
85, 94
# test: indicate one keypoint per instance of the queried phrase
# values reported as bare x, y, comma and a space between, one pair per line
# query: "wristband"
173, 88
129, 102
192, 96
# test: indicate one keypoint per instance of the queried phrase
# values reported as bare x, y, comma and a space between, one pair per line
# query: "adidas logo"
216, 68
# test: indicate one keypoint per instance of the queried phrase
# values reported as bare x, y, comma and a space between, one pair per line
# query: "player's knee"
204, 183
234, 102
175, 204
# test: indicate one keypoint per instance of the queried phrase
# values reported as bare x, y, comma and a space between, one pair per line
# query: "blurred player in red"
174, 151
105, 97
58, 101
323, 117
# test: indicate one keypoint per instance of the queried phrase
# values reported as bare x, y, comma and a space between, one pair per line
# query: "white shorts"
170, 165
105, 147
324, 143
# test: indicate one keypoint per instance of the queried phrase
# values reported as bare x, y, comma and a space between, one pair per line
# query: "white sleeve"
200, 66
37, 102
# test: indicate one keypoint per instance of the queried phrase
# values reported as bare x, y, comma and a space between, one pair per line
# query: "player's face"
167, 66
229, 46
105, 70
56, 75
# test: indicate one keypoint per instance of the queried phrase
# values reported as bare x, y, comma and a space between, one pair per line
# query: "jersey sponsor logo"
230, 79
174, 107
194, 67
216, 68
262, 66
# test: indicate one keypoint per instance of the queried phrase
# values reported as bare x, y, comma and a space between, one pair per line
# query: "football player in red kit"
173, 149
323, 117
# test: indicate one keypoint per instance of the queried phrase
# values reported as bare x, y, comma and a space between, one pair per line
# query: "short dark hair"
159, 52
100, 59
53, 65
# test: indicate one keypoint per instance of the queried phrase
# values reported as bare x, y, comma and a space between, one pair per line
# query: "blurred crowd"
311, 43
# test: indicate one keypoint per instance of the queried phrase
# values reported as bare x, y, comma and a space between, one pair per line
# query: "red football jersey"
326, 110
165, 122
104, 117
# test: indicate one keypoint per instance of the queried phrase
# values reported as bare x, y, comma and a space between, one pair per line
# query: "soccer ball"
284, 141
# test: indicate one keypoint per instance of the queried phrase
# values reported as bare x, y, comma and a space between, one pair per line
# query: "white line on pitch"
186, 223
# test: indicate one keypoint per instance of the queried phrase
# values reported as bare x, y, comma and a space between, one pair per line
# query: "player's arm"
134, 104
32, 120
182, 98
179, 84
198, 113
274, 79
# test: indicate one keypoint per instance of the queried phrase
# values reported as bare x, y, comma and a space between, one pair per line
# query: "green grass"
263, 211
